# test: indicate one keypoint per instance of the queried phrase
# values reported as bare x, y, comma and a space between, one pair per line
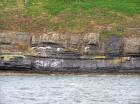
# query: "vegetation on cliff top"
76, 16
54, 7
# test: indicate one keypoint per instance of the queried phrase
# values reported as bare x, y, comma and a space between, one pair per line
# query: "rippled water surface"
69, 89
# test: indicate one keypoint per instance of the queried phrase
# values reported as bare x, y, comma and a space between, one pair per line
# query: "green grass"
54, 7
73, 14
107, 33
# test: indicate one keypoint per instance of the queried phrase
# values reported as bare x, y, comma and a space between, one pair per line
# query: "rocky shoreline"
42, 64
53, 53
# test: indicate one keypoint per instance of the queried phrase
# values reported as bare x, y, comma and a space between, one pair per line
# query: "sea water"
69, 89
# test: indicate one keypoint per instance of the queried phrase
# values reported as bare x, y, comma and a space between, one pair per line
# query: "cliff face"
83, 25
14, 42
83, 34
132, 44
89, 43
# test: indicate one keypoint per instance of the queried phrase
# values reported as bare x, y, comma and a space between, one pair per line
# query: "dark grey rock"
113, 46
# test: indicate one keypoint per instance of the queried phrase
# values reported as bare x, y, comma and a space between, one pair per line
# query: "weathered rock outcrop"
15, 38
89, 43
132, 44
85, 65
